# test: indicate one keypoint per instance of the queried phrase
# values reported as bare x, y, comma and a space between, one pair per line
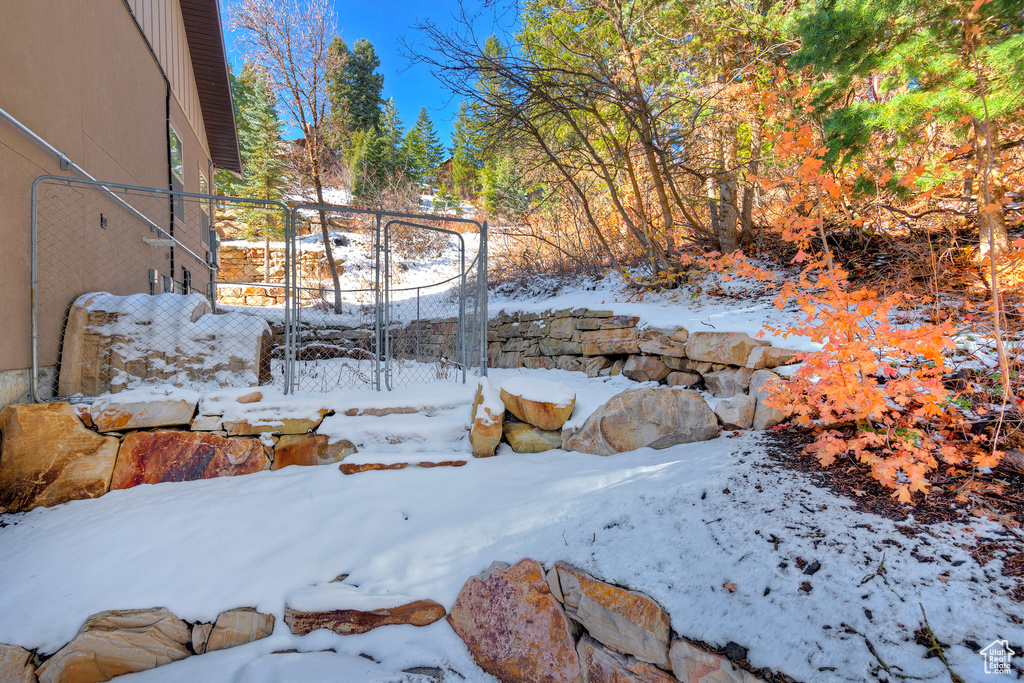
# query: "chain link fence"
136, 287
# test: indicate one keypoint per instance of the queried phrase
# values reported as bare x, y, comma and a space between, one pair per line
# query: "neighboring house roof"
210, 64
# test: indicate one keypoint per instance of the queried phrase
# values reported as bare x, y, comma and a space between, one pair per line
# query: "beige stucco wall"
79, 74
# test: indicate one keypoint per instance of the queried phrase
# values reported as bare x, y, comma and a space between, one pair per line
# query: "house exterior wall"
80, 74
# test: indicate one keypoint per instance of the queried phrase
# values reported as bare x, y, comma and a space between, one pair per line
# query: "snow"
491, 405
686, 307
540, 390
677, 524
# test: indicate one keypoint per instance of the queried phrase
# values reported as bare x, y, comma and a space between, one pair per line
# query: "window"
177, 176
186, 281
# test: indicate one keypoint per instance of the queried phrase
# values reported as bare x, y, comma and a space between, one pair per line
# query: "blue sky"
383, 22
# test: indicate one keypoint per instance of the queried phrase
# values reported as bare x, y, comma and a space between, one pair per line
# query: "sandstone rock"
610, 342
624, 620
309, 449
655, 417
200, 636
251, 397
525, 438
682, 379
563, 328
48, 457
288, 425
765, 417
114, 643
539, 363
510, 360
619, 322
16, 665
493, 354
238, 627
737, 412
167, 455
525, 397
771, 357
568, 362
645, 369
664, 341
488, 414
559, 347
616, 368
206, 423
601, 665
110, 416
728, 383
730, 348
356, 468
687, 365
692, 664
514, 627
595, 364
350, 621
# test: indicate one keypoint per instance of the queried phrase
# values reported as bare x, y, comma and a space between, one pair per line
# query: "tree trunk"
753, 165
328, 246
728, 235
266, 257
991, 214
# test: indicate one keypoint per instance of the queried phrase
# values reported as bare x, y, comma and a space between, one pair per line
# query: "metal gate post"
288, 295
482, 297
378, 332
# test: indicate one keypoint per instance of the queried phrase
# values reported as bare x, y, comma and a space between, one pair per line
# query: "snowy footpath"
724, 538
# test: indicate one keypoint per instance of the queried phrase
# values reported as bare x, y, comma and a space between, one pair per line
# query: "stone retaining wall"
245, 264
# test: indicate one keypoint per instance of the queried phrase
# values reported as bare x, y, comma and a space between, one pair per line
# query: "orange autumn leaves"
874, 392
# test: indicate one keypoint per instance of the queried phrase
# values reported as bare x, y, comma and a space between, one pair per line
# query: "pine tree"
392, 159
356, 87
259, 134
465, 152
425, 151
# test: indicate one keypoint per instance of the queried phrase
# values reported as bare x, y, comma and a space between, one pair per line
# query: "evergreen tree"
392, 158
259, 136
422, 148
356, 87
898, 66
465, 152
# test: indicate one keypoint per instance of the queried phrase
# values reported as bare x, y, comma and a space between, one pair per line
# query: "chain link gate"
415, 316
129, 291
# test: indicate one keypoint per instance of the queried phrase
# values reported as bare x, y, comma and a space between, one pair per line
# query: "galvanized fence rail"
127, 292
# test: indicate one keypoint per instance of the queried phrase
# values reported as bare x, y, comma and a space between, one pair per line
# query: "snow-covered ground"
714, 531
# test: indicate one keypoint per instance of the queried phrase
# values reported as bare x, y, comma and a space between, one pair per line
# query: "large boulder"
658, 417
736, 412
771, 357
488, 414
761, 385
16, 665
49, 457
601, 665
351, 621
727, 383
690, 663
115, 643
309, 449
238, 627
645, 369
624, 620
728, 348
111, 414
168, 455
514, 627
544, 404
610, 342
525, 438
664, 341
275, 425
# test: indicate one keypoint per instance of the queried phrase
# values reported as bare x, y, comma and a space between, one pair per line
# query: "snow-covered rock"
238, 627
542, 403
488, 414
655, 417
